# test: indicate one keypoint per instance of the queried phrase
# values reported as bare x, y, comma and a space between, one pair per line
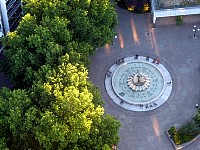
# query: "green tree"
103, 135
58, 112
29, 48
17, 119
32, 46
91, 21
59, 109
70, 117
52, 28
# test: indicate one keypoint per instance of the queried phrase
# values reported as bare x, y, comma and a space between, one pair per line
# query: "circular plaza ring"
138, 83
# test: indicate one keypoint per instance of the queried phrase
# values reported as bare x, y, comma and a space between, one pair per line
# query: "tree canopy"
72, 113
91, 21
17, 117
58, 112
54, 106
32, 46
52, 28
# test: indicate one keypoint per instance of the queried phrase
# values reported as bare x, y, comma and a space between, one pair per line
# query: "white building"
160, 11
10, 16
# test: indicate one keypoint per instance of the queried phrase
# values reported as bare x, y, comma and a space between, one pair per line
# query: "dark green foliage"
47, 55
50, 29
62, 110
17, 118
26, 52
91, 21
70, 119
97, 99
179, 20
197, 118
188, 131
103, 135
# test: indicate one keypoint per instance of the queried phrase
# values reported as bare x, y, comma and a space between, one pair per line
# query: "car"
135, 6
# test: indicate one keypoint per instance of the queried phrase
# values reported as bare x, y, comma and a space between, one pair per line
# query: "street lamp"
195, 30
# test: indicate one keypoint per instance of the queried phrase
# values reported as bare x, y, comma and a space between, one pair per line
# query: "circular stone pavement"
138, 83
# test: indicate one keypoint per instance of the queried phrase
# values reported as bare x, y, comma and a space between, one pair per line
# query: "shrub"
197, 118
174, 135
188, 131
179, 20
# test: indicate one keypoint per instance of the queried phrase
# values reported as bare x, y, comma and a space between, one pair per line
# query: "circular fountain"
138, 81
138, 84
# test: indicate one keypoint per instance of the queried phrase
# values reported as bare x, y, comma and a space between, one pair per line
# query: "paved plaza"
178, 52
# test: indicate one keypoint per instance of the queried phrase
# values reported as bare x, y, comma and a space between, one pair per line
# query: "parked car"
135, 6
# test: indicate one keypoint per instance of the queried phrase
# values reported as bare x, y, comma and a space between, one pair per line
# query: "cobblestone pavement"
179, 53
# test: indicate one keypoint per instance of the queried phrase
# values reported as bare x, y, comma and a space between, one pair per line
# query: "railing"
159, 5
13, 24
175, 11
10, 4
10, 13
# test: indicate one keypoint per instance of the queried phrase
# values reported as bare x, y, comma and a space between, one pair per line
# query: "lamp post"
194, 31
